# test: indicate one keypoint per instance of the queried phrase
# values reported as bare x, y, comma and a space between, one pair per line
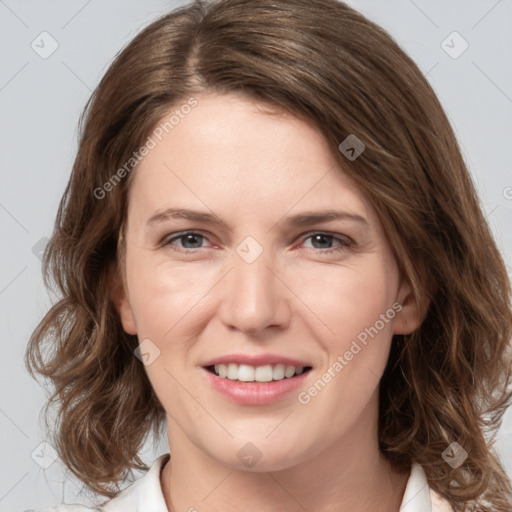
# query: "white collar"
417, 493
145, 494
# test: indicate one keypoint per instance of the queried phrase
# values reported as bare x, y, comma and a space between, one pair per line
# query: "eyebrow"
301, 219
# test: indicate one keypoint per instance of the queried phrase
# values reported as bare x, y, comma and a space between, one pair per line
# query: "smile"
264, 373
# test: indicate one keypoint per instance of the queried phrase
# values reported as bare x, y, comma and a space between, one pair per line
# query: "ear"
410, 315
120, 300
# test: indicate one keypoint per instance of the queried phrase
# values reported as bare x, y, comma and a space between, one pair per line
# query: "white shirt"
145, 495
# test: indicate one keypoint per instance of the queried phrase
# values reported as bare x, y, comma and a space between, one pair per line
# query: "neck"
351, 475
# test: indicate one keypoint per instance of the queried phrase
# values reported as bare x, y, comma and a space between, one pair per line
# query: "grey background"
40, 102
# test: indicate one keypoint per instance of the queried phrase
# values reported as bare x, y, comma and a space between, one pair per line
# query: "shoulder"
143, 494
74, 507
439, 504
419, 497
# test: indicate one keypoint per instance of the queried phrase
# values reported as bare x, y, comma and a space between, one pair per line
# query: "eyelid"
179, 234
345, 241
329, 233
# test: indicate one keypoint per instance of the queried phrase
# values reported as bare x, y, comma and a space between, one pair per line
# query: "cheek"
352, 332
347, 300
163, 293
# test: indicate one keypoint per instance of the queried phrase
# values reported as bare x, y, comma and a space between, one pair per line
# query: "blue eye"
188, 237
344, 242
194, 239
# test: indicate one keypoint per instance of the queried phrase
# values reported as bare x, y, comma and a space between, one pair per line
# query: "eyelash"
345, 242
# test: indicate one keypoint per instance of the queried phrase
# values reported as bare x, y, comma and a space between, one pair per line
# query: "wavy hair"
325, 63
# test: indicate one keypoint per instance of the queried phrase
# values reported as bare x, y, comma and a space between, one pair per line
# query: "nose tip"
254, 298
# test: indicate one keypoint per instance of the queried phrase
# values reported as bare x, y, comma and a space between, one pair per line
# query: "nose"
255, 297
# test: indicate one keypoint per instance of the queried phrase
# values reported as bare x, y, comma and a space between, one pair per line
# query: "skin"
253, 170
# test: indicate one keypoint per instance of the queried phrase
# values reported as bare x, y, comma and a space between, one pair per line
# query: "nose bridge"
254, 297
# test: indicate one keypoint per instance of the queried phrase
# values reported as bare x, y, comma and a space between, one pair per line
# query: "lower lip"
255, 393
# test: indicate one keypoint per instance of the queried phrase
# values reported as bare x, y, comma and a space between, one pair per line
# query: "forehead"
230, 151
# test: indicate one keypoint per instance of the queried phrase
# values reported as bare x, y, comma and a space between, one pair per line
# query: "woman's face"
257, 288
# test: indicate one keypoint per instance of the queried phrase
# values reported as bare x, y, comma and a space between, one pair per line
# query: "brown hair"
326, 63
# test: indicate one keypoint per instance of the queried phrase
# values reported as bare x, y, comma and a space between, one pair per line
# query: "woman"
365, 375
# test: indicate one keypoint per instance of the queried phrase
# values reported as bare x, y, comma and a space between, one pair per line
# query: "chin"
260, 455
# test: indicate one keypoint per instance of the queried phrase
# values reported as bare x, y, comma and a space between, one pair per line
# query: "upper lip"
256, 360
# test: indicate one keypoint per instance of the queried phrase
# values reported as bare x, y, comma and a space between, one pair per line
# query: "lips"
256, 368
263, 373
257, 360
255, 380
256, 393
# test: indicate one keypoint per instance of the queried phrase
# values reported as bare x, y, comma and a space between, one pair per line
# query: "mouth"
263, 373
262, 379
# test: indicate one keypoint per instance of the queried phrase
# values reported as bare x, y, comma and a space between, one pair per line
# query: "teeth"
263, 373
232, 371
221, 370
278, 373
289, 371
247, 373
